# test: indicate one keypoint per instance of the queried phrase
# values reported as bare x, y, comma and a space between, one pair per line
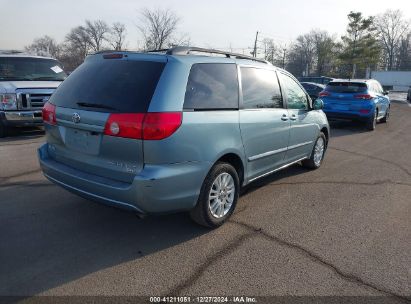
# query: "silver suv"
177, 131
26, 84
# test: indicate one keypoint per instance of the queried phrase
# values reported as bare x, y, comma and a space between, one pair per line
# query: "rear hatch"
344, 96
103, 87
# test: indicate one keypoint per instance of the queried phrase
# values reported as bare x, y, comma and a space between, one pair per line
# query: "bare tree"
392, 28
404, 53
305, 47
78, 39
96, 31
157, 27
117, 36
44, 46
324, 51
272, 52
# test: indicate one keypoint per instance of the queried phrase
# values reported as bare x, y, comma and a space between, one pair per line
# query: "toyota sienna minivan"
178, 130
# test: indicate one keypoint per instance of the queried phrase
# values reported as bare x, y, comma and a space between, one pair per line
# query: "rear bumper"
346, 116
156, 189
21, 118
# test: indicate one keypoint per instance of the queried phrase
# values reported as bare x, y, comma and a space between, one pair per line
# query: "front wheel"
3, 130
218, 196
386, 116
317, 155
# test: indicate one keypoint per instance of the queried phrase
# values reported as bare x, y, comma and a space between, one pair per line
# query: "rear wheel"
372, 122
386, 116
218, 196
317, 155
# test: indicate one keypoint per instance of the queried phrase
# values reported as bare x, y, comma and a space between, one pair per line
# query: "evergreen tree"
360, 46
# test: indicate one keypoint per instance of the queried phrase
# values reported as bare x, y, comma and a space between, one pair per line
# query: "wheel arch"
234, 160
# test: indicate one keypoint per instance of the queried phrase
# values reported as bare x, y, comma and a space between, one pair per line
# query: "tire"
213, 213
386, 116
3, 130
372, 122
317, 155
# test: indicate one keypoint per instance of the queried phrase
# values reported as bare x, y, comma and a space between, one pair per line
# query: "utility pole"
285, 50
255, 45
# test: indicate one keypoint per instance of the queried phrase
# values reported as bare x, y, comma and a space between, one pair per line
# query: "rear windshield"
110, 86
346, 87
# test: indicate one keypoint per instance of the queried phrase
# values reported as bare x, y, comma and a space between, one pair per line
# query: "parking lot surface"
342, 230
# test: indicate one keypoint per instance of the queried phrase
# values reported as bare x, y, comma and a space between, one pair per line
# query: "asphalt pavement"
342, 230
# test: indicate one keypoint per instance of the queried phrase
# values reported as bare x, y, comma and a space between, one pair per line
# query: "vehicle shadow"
260, 183
48, 242
23, 133
344, 128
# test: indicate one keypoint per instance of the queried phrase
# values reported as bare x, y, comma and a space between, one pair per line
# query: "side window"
212, 86
260, 89
296, 97
309, 87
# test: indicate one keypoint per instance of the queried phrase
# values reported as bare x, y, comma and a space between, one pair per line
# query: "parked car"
313, 89
167, 132
316, 79
26, 84
362, 100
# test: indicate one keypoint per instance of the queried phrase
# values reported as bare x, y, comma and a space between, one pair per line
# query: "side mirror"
318, 104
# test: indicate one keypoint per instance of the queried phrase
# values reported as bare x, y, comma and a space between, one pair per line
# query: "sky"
220, 24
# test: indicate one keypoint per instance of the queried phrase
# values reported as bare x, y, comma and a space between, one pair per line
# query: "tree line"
158, 29
369, 43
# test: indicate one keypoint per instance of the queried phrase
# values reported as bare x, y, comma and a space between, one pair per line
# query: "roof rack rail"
10, 52
184, 50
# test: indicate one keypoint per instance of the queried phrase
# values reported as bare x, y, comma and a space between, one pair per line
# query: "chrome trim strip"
266, 154
299, 145
278, 169
29, 115
269, 153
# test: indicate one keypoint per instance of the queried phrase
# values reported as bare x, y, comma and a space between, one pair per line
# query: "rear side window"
114, 85
346, 87
260, 89
212, 86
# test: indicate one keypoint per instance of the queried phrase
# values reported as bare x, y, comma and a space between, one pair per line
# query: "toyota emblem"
76, 118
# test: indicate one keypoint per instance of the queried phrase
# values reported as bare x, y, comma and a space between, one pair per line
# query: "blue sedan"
361, 100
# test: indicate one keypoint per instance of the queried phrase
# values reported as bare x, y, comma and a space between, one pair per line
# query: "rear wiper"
95, 105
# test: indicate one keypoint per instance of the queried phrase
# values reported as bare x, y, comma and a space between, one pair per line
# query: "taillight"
113, 56
161, 125
49, 114
324, 94
365, 111
363, 96
125, 125
150, 126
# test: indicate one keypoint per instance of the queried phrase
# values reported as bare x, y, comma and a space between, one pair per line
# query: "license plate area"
82, 141
340, 108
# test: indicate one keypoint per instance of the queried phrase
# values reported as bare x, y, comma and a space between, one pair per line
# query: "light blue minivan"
177, 130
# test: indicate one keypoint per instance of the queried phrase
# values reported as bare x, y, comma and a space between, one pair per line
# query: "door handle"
293, 117
284, 117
